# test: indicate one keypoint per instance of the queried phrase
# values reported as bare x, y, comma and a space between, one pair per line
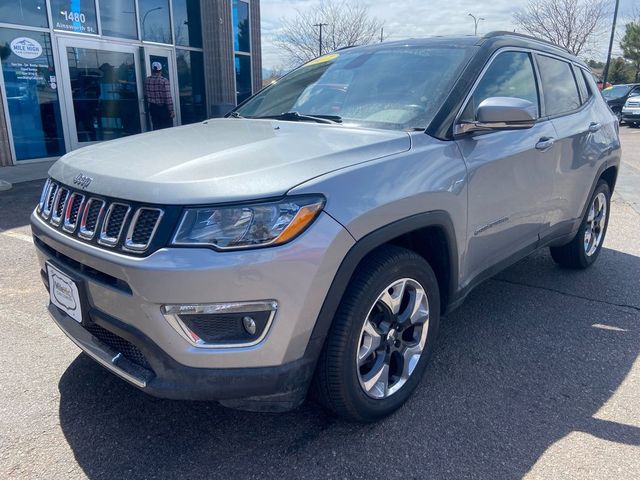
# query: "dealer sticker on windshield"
64, 293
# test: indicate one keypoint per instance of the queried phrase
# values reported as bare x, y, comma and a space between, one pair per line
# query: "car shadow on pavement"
17, 204
531, 356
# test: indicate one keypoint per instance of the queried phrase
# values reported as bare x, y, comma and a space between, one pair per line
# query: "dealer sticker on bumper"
64, 293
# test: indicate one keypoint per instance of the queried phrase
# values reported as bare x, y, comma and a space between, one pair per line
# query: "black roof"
491, 40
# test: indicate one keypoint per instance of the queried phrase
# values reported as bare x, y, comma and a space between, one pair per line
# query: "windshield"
397, 87
615, 92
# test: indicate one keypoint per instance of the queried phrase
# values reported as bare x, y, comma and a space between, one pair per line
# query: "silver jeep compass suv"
311, 240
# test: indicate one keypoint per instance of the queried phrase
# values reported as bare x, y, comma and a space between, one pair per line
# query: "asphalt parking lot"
536, 376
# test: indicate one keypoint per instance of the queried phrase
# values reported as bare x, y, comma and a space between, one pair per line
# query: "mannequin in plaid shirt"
157, 92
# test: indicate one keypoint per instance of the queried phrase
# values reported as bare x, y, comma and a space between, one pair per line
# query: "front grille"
114, 223
119, 344
100, 220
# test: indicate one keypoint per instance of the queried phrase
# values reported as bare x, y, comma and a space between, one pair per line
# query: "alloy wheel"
596, 221
392, 338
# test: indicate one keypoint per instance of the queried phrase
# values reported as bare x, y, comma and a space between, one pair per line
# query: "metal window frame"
100, 42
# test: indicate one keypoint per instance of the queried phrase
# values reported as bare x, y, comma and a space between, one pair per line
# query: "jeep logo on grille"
82, 181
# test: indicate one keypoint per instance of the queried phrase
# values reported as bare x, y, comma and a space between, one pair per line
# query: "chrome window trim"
89, 234
138, 247
67, 226
46, 211
56, 220
171, 314
112, 241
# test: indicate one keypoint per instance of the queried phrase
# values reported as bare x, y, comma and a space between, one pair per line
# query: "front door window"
104, 90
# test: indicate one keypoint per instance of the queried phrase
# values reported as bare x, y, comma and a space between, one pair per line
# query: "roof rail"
500, 33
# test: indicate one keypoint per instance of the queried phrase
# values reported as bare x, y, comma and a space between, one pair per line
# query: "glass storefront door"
103, 90
164, 56
31, 87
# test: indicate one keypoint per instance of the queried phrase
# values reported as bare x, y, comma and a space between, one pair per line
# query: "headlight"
246, 226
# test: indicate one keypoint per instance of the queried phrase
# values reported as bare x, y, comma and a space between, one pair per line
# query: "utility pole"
476, 20
321, 25
382, 35
605, 75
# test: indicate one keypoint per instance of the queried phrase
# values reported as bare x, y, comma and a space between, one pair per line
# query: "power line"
321, 25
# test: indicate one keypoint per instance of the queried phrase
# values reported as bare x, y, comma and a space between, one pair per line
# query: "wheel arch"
430, 234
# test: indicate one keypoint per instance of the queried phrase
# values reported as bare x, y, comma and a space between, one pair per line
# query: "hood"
223, 160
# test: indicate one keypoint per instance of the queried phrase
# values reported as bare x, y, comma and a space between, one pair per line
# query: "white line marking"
16, 235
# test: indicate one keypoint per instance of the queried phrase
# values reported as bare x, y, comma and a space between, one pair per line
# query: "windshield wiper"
301, 117
235, 115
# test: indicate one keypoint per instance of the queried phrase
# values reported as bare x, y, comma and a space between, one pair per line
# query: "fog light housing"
222, 325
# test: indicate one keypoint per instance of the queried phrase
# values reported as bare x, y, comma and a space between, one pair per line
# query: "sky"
415, 18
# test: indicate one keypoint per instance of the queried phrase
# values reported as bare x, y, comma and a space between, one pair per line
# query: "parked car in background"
617, 96
310, 240
631, 111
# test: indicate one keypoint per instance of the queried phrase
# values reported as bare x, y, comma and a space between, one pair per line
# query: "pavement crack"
568, 294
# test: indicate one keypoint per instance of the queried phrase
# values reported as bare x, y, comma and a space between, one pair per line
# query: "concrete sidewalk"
23, 173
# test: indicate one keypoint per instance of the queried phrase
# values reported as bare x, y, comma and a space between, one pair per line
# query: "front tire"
584, 249
381, 337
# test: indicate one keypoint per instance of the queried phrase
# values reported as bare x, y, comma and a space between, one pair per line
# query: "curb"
4, 185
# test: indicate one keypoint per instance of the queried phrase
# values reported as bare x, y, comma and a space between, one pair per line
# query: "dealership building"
73, 70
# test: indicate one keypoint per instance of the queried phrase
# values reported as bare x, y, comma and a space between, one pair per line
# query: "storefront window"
118, 18
241, 35
243, 77
154, 20
32, 93
77, 16
105, 94
31, 13
186, 23
193, 105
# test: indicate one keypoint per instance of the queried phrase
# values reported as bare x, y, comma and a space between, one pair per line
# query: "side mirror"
501, 113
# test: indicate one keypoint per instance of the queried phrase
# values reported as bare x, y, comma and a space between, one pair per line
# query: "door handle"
545, 143
594, 127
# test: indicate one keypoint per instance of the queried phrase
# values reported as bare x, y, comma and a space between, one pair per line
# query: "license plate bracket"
66, 292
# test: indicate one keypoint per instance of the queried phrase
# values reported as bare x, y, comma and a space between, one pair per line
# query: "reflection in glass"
78, 16
105, 94
186, 23
193, 105
241, 36
243, 77
154, 20
118, 18
32, 94
25, 12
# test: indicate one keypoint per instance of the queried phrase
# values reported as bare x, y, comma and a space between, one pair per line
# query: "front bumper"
124, 295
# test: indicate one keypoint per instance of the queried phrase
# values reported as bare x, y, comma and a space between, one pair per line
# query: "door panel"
510, 172
581, 138
510, 182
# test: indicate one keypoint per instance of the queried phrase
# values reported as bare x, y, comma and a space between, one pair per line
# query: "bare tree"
572, 24
348, 23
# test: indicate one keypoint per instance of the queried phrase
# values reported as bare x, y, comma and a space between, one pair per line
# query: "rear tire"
389, 315
584, 249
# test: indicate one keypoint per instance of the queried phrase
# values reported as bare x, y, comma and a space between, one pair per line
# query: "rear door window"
585, 94
509, 75
559, 86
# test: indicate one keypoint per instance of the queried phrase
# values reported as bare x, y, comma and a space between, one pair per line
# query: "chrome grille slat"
97, 220
91, 218
113, 224
51, 193
72, 212
59, 205
143, 227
